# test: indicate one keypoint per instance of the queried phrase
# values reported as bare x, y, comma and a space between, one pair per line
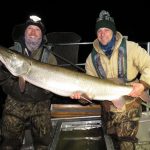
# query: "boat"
75, 125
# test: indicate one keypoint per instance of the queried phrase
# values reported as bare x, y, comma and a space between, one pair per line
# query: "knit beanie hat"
35, 20
105, 21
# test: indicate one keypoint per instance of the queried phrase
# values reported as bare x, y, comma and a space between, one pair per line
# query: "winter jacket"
138, 61
31, 93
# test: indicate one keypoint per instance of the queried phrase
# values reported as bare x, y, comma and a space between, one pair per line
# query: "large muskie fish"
62, 81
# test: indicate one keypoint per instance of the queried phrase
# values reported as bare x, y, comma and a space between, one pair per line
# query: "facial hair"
32, 42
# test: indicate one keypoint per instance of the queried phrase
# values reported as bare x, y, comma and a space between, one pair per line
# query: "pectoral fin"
21, 84
84, 97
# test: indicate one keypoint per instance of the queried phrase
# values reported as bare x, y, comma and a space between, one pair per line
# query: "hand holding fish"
138, 89
76, 95
84, 99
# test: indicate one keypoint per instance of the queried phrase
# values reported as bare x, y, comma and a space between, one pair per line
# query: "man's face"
104, 35
33, 37
33, 32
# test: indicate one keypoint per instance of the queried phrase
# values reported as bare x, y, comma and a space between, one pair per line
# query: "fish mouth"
6, 56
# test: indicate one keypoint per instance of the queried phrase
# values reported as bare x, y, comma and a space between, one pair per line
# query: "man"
33, 104
115, 57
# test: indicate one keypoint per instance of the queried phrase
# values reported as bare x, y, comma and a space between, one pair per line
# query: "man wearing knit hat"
114, 57
33, 103
105, 20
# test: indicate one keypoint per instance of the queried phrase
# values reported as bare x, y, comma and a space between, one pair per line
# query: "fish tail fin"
145, 96
119, 103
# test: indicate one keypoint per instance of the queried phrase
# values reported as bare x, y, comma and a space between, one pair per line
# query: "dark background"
77, 16
132, 20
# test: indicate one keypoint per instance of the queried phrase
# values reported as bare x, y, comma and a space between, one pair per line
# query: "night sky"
73, 16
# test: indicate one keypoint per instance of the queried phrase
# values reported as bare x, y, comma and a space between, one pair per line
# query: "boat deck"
72, 129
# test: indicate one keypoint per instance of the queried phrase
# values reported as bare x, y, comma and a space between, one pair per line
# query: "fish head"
14, 62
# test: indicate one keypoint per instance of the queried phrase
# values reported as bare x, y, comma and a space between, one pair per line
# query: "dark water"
89, 139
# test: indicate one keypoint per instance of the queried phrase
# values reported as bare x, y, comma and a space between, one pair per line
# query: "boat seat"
63, 45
